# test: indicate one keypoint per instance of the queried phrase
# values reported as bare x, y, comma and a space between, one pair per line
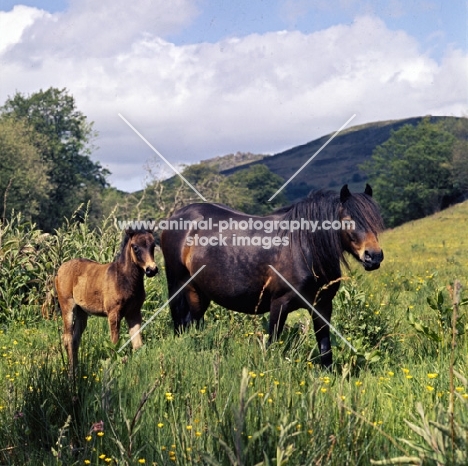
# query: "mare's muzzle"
372, 259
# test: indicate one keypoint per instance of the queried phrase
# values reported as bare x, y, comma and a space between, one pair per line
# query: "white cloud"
100, 29
13, 24
260, 93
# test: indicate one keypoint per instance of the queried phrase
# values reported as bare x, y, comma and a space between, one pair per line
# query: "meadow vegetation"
218, 395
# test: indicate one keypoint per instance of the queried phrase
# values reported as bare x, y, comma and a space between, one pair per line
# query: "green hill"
338, 163
226, 162
437, 242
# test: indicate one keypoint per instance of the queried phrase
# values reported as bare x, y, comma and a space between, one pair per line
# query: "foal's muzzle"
151, 271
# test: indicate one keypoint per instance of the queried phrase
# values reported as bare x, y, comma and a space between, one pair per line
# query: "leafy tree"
261, 183
24, 180
411, 172
161, 198
460, 165
247, 190
73, 176
459, 128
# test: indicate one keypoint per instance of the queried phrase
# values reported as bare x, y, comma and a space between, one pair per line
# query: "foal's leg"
134, 326
114, 320
79, 325
67, 307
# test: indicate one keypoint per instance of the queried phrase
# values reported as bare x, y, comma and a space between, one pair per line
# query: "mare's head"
361, 223
141, 245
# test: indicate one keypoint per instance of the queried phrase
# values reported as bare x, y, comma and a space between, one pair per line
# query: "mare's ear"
130, 232
368, 190
345, 194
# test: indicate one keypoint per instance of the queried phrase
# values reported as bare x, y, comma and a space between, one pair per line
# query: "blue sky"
437, 23
201, 78
434, 23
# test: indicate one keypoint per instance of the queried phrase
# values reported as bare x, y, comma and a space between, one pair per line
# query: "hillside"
437, 242
338, 163
226, 162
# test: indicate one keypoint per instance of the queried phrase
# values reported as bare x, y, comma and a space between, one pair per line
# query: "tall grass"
217, 395
29, 260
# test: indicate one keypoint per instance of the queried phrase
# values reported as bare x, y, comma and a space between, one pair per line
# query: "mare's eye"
353, 237
136, 249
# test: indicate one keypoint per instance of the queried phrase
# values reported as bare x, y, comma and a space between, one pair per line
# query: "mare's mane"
324, 247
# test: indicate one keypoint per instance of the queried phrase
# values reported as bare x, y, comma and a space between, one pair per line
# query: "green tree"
261, 184
411, 172
24, 180
460, 165
162, 197
73, 176
247, 190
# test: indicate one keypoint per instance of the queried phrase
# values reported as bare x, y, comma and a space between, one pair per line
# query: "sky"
203, 78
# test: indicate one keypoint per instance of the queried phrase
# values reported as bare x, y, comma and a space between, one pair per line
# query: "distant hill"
226, 162
338, 163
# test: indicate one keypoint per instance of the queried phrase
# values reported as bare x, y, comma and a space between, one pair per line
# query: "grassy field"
218, 396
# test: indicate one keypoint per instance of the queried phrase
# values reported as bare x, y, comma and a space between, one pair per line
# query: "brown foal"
114, 290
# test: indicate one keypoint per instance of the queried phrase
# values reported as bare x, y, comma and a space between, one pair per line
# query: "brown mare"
114, 290
238, 262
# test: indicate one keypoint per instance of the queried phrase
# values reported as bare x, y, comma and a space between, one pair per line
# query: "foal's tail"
50, 307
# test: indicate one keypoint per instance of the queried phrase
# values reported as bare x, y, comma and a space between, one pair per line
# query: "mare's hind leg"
279, 310
179, 305
198, 304
187, 307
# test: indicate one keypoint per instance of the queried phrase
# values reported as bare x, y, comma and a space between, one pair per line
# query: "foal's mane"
324, 247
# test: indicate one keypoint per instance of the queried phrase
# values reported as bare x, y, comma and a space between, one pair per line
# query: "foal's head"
141, 245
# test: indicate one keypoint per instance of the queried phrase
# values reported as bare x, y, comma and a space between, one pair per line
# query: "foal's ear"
130, 232
368, 190
345, 193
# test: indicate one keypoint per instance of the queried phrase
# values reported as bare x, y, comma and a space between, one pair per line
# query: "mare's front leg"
322, 331
134, 326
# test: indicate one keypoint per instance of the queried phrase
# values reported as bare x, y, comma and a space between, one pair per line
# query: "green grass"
218, 396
